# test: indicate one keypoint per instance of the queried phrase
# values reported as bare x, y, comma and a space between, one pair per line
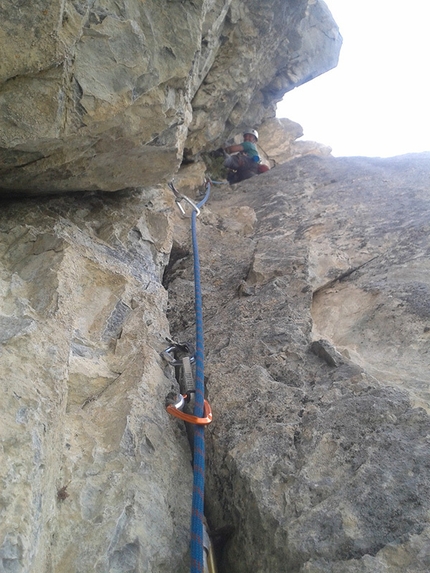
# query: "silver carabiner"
179, 198
180, 403
181, 209
193, 205
171, 359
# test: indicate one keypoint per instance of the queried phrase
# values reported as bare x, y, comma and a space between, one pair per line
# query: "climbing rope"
202, 413
197, 546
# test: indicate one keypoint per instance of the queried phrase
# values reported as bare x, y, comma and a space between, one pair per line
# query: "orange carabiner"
207, 414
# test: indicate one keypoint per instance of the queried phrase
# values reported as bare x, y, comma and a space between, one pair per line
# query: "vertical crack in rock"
115, 321
318, 452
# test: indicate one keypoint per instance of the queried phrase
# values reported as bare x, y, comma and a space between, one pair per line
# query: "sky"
376, 102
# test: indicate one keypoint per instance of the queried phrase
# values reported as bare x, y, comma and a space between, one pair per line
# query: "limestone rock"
318, 469
90, 462
326, 352
315, 287
308, 147
276, 139
315, 283
107, 95
278, 142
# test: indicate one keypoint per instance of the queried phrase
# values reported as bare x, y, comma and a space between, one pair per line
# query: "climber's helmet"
253, 132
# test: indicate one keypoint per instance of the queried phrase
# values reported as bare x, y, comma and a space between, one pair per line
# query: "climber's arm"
234, 148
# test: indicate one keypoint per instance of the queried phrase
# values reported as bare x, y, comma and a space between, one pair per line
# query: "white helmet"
253, 132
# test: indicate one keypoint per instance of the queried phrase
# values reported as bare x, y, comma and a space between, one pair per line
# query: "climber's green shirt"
250, 149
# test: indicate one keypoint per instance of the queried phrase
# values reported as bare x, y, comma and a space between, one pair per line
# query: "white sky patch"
377, 101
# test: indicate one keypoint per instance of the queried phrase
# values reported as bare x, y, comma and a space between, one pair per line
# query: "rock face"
107, 95
277, 142
316, 290
90, 461
316, 309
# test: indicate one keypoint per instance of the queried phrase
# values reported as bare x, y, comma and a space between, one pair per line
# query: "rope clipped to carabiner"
179, 198
176, 410
202, 414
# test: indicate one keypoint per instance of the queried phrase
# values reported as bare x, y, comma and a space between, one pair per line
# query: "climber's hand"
217, 153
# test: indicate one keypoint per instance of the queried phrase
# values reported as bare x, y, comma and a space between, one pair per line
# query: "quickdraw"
202, 412
175, 408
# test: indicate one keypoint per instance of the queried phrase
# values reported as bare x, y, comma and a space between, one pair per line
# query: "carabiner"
169, 357
179, 198
206, 419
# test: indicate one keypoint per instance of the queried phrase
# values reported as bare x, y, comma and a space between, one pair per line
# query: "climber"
242, 160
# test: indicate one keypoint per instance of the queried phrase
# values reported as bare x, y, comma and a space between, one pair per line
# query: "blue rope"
199, 437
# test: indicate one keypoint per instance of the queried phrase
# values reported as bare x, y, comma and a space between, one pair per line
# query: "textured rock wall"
90, 463
316, 292
315, 283
316, 297
277, 142
103, 95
